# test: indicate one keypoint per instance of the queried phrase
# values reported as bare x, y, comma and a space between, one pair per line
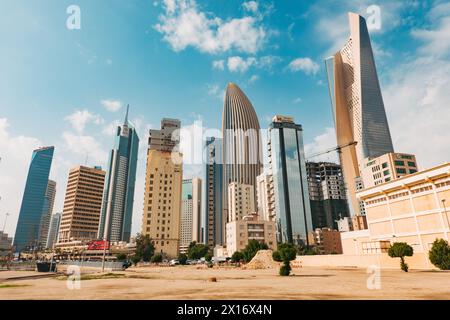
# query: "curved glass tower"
357, 105
242, 151
33, 201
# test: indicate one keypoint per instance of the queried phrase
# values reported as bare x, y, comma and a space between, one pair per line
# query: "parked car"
174, 262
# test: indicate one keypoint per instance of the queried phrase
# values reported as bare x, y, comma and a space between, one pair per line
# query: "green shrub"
157, 258
401, 250
237, 256
440, 254
182, 258
276, 256
252, 248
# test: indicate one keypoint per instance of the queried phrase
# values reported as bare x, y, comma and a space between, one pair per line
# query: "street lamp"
445, 212
4, 224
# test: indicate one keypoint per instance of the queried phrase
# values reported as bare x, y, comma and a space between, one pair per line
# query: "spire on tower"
126, 115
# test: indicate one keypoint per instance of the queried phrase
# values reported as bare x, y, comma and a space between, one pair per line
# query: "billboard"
98, 245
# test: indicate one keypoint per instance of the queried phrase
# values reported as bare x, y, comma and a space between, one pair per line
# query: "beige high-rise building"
241, 201
190, 228
81, 213
265, 196
163, 185
387, 167
361, 125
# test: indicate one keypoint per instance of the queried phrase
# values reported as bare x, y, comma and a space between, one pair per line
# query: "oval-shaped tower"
242, 150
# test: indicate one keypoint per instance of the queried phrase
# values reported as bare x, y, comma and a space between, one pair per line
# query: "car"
174, 262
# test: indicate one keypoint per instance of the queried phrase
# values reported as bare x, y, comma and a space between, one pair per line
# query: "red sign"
98, 245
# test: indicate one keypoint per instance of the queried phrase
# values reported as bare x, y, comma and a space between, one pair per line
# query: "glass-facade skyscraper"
357, 105
287, 165
213, 221
34, 200
118, 196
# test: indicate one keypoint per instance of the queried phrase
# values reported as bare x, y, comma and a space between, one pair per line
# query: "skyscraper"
162, 199
118, 196
357, 104
33, 201
327, 194
82, 204
213, 207
190, 226
242, 151
265, 197
47, 211
53, 230
287, 165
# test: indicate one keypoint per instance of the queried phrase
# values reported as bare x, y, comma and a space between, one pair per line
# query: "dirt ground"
188, 282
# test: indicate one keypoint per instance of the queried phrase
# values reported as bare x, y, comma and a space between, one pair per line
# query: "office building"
53, 230
327, 194
213, 228
326, 241
265, 197
387, 167
412, 209
33, 201
357, 105
5, 244
287, 165
163, 185
47, 211
82, 204
242, 151
190, 228
241, 201
240, 232
118, 196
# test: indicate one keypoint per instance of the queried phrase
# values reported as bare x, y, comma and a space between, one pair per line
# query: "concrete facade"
241, 201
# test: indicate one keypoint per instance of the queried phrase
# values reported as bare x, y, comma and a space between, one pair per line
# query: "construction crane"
337, 148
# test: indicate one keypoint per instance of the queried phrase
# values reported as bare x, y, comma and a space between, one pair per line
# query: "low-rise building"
326, 240
5, 243
240, 232
412, 209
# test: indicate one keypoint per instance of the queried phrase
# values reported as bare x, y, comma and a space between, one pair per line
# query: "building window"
401, 171
386, 172
399, 163
411, 164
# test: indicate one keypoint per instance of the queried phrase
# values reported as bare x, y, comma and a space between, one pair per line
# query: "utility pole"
4, 224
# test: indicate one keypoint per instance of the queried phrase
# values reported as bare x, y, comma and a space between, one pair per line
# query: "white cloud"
305, 65
15, 159
111, 105
111, 128
253, 78
218, 64
322, 143
239, 64
215, 91
437, 41
297, 100
84, 145
79, 119
251, 6
183, 24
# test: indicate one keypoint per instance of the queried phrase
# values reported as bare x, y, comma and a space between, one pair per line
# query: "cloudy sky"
68, 87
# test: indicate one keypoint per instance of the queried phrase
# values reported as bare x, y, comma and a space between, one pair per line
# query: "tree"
286, 252
135, 259
440, 254
121, 257
208, 257
252, 248
144, 247
401, 250
197, 250
182, 258
157, 258
237, 256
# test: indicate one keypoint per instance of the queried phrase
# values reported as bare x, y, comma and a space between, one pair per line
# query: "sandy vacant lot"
188, 282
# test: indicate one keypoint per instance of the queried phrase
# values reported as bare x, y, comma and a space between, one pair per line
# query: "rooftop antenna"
126, 115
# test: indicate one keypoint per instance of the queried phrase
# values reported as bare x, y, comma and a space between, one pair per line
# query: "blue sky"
68, 88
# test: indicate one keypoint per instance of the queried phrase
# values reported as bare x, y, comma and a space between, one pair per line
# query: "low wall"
417, 261
90, 266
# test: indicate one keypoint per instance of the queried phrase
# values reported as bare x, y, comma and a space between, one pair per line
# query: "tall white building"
190, 226
265, 196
